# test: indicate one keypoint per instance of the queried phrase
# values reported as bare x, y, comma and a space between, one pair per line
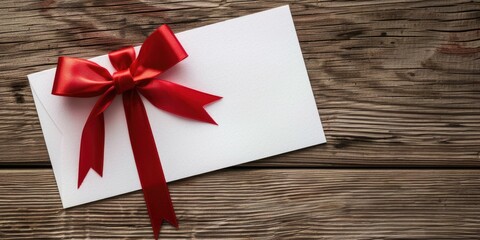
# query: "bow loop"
76, 77
160, 51
122, 59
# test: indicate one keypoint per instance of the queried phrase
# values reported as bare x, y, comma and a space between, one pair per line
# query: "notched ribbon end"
157, 226
207, 117
82, 174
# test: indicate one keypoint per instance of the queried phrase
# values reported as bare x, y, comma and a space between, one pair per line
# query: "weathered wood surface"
259, 204
396, 82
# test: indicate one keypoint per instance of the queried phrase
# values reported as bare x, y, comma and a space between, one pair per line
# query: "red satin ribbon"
83, 78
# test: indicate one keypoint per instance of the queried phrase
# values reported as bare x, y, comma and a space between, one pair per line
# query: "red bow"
83, 78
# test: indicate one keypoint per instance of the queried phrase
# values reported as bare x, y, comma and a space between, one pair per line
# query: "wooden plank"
259, 204
396, 82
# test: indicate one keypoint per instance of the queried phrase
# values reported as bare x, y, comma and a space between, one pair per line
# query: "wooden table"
397, 86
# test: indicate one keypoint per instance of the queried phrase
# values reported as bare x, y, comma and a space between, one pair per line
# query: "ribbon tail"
150, 172
93, 138
179, 100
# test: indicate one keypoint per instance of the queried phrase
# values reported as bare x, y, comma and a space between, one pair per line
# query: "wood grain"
396, 82
259, 204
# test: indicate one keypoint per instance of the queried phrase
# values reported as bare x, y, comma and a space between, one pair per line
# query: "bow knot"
123, 81
83, 78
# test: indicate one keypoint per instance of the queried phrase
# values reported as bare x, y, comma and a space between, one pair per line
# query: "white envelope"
268, 108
